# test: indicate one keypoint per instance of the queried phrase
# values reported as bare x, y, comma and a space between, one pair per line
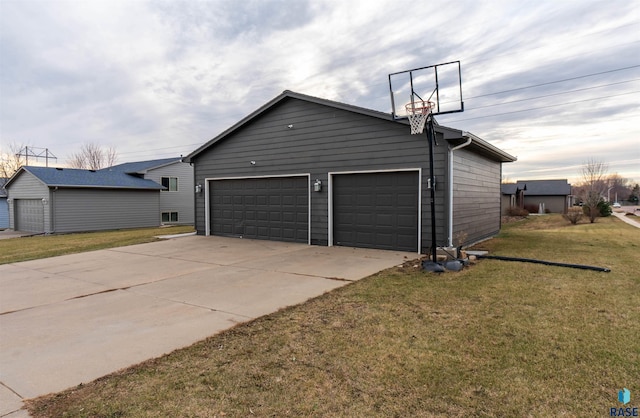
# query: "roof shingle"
71, 177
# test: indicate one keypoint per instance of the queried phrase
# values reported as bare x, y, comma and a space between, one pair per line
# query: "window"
171, 183
169, 217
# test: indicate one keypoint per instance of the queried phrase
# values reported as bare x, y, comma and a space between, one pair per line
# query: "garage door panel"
407, 221
262, 208
29, 215
376, 210
288, 201
385, 219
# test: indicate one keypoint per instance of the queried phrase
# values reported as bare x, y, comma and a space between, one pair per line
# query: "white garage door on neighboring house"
376, 210
29, 215
270, 208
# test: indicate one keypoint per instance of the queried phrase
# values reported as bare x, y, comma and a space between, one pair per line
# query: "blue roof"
140, 167
72, 177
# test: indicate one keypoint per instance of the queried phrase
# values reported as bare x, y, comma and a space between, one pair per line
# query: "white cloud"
151, 75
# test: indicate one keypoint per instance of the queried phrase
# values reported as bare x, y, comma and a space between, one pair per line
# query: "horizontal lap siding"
180, 201
476, 202
101, 209
323, 139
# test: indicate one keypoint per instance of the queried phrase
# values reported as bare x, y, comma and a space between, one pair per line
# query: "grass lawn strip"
35, 247
497, 339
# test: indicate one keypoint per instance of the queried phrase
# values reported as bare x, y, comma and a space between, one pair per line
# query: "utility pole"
35, 152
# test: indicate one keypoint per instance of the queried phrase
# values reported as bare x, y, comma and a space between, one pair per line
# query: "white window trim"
169, 212
169, 188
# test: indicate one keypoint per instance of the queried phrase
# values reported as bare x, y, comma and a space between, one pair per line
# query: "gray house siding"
321, 140
476, 197
99, 209
180, 201
4, 213
28, 187
553, 204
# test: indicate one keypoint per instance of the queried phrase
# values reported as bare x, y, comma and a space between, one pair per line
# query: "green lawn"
41, 246
497, 339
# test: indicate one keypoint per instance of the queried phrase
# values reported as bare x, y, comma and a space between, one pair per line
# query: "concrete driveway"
71, 319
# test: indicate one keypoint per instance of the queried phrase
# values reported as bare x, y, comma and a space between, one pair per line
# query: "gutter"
469, 138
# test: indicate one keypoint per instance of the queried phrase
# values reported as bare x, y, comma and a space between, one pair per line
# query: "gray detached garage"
305, 169
60, 200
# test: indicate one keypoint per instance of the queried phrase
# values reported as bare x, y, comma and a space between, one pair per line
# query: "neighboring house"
176, 200
4, 206
315, 171
58, 200
550, 196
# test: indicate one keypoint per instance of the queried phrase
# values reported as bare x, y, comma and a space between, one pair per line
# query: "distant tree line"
597, 188
90, 156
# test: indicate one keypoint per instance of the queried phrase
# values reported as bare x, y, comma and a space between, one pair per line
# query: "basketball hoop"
418, 112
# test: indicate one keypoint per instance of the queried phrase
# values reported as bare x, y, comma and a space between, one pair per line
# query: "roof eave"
17, 173
284, 95
89, 186
492, 150
155, 167
449, 133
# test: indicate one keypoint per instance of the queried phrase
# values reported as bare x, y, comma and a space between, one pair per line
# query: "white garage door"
29, 215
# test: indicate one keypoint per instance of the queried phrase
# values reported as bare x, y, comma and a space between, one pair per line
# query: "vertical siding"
101, 209
27, 186
323, 139
476, 196
182, 200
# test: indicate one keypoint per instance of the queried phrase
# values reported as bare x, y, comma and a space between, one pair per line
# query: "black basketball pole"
432, 186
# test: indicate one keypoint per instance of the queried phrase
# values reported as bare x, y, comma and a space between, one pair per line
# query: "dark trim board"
244, 207
380, 227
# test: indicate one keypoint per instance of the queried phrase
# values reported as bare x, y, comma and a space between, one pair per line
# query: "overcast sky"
553, 82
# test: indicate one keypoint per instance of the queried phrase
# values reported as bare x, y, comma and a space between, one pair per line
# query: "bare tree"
93, 157
594, 186
11, 160
620, 187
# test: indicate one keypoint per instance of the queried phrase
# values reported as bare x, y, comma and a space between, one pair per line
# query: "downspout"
457, 147
52, 203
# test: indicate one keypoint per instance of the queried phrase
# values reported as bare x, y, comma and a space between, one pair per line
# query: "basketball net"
418, 113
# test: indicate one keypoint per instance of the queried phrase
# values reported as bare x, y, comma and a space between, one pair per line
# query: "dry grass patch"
498, 339
42, 246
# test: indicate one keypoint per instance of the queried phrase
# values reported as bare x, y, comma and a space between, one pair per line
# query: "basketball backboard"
436, 86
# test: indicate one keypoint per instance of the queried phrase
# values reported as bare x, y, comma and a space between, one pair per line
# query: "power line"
164, 148
36, 152
553, 82
550, 95
544, 107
